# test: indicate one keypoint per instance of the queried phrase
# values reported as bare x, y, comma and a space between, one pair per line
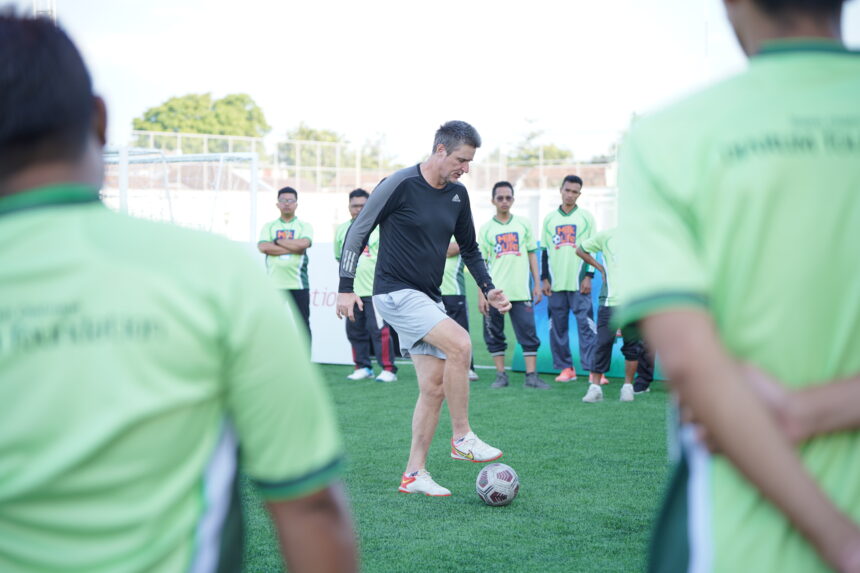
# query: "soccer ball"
497, 484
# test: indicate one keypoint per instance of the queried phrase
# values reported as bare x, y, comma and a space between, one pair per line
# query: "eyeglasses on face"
286, 201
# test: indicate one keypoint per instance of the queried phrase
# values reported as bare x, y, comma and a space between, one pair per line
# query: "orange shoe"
566, 375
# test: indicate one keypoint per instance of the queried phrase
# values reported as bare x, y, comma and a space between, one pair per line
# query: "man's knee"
432, 391
461, 347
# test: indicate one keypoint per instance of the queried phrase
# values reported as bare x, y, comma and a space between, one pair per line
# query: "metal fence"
228, 184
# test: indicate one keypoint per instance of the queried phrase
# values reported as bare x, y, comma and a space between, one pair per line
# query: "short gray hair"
453, 134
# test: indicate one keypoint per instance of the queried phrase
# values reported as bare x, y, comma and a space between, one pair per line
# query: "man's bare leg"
425, 418
454, 341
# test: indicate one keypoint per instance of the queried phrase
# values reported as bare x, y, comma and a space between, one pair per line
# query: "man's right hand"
346, 302
547, 288
483, 304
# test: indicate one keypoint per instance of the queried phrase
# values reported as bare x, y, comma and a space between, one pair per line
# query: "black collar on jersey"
795, 45
572, 211
53, 195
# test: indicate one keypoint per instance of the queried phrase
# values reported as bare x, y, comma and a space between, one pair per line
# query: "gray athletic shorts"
412, 314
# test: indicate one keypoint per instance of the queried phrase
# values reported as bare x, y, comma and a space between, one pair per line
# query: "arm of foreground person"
315, 532
710, 383
812, 411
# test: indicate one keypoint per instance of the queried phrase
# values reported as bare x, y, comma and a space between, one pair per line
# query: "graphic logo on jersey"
565, 236
285, 234
507, 244
456, 198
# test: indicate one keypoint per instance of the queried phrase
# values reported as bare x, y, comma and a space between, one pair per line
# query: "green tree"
529, 151
310, 154
234, 114
335, 150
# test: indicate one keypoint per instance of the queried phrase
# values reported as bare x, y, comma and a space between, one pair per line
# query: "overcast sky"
576, 70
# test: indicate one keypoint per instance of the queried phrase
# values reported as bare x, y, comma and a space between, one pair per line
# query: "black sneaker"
641, 387
501, 380
534, 381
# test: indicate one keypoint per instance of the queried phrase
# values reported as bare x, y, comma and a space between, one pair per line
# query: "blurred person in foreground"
715, 190
136, 363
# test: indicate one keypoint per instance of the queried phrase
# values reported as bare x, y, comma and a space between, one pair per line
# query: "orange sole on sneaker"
427, 494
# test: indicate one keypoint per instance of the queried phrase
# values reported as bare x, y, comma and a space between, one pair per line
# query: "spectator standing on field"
365, 332
285, 242
637, 361
567, 279
509, 247
150, 363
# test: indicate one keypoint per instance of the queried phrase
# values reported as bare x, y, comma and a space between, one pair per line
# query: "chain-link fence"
213, 190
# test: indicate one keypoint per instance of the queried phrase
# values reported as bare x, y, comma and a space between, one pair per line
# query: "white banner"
329, 344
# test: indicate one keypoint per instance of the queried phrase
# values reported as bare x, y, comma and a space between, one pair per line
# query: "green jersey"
289, 271
506, 248
734, 192
139, 363
453, 280
363, 285
605, 242
562, 232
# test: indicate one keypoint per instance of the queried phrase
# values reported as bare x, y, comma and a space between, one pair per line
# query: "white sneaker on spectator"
386, 376
626, 393
421, 482
472, 375
594, 394
361, 374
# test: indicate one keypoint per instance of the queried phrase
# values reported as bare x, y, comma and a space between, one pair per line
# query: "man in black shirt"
418, 209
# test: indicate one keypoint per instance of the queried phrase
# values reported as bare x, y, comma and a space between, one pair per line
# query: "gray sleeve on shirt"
371, 215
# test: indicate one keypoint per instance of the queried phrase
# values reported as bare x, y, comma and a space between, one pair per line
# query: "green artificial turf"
591, 478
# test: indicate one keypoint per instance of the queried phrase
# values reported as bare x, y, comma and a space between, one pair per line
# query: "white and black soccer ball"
497, 484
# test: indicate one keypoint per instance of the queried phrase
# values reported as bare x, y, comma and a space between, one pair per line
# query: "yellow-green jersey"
561, 234
506, 248
363, 285
453, 279
141, 363
733, 192
605, 242
290, 271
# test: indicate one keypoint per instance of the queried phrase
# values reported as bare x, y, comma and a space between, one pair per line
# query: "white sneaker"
421, 482
594, 394
472, 448
472, 375
386, 376
361, 374
626, 393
